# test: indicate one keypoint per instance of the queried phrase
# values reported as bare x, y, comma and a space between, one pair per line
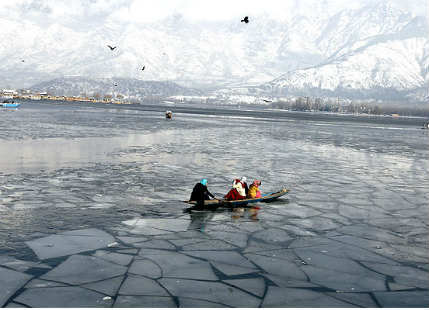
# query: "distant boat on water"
9, 104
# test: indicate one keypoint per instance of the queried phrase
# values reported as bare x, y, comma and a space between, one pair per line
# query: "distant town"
29, 95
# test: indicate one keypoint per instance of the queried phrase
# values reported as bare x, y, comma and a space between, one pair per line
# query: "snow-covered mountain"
129, 88
373, 50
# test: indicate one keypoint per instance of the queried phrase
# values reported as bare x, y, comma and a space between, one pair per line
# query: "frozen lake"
353, 231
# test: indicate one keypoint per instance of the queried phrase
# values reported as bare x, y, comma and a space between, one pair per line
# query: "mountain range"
377, 51
127, 87
374, 52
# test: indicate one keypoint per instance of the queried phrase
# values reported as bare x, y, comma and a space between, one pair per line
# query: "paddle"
217, 194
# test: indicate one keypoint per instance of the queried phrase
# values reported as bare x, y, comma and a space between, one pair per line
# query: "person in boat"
254, 191
237, 192
200, 193
243, 181
241, 185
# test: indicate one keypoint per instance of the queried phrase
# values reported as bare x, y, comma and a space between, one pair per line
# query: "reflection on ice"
157, 226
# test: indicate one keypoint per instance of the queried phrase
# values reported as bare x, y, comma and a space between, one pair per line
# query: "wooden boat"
9, 104
240, 203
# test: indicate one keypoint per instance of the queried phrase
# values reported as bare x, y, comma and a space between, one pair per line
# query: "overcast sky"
142, 11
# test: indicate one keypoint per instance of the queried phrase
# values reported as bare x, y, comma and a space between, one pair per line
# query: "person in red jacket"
237, 191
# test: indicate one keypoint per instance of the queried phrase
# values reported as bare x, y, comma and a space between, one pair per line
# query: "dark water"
65, 167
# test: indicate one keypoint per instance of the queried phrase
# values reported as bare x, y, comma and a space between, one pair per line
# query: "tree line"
337, 106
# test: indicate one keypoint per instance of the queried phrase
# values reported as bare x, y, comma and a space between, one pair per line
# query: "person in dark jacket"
201, 193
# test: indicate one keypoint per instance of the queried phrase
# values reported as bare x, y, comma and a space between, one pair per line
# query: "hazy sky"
65, 11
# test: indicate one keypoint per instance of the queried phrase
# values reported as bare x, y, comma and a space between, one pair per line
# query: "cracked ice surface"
10, 281
57, 297
104, 225
70, 242
79, 269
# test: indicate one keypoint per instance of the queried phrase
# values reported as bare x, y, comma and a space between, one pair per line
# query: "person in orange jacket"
254, 191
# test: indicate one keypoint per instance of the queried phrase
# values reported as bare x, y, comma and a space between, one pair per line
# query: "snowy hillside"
387, 62
130, 88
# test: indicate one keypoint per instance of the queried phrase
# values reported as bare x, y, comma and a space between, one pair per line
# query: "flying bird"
111, 47
245, 19
143, 68
267, 100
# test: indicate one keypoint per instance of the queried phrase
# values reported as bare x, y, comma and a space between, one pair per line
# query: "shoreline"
260, 112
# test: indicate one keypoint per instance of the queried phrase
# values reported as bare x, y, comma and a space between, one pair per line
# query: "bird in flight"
267, 100
111, 47
143, 68
245, 19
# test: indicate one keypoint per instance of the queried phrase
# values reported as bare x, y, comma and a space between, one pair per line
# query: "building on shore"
8, 93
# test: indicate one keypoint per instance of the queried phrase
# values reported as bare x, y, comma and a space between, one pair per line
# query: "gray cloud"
36, 6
